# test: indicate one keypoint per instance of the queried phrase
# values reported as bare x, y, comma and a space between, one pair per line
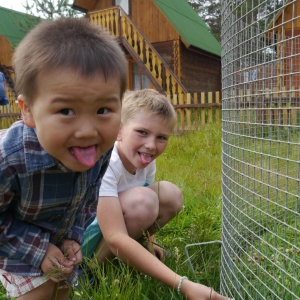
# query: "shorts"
17, 285
92, 237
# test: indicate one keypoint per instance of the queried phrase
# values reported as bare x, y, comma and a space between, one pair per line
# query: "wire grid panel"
261, 149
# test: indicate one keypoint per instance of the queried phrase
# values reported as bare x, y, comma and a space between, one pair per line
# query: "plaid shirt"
40, 200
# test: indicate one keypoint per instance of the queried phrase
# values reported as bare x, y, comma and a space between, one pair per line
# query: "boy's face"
77, 119
142, 139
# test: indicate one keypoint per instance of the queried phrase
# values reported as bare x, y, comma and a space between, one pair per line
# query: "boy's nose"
85, 129
150, 143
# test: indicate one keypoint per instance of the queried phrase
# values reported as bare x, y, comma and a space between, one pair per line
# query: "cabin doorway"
124, 4
139, 80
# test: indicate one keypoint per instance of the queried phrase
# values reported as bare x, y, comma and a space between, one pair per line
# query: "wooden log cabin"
168, 46
284, 33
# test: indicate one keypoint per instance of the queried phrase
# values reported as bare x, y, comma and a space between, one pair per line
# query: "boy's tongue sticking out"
85, 155
145, 158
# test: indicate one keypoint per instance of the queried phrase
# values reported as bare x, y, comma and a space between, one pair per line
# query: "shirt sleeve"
150, 177
109, 186
19, 240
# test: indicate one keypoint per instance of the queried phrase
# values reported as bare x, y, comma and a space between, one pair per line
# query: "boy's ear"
119, 137
26, 112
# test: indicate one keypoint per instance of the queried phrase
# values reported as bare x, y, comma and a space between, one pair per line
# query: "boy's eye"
142, 132
163, 138
102, 111
67, 112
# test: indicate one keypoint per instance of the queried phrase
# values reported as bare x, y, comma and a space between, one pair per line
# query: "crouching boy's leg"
140, 208
145, 211
170, 203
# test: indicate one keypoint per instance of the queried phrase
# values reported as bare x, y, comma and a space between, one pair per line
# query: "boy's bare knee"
143, 207
170, 197
178, 199
147, 207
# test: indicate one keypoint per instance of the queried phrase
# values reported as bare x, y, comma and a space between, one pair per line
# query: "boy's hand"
155, 249
196, 291
159, 252
72, 251
55, 264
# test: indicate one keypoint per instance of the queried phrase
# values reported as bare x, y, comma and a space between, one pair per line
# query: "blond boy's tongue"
86, 156
146, 159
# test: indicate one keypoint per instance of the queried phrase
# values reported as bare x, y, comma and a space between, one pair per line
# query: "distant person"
132, 206
254, 74
3, 97
70, 78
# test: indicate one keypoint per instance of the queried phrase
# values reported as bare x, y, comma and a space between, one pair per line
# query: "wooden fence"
196, 110
193, 110
270, 106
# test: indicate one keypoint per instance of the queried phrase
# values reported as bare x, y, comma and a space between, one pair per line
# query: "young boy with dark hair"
131, 205
70, 78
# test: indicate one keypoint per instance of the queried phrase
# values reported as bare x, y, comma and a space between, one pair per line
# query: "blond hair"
148, 101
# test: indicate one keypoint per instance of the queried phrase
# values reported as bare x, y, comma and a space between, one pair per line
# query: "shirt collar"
36, 158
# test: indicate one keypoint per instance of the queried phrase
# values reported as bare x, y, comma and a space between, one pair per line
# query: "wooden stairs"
117, 22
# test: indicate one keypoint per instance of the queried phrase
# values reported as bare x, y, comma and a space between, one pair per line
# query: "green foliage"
51, 9
210, 12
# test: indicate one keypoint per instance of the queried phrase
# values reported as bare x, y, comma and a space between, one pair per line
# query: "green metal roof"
14, 25
193, 30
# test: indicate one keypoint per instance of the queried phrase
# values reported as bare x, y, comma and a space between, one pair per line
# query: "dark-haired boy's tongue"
85, 155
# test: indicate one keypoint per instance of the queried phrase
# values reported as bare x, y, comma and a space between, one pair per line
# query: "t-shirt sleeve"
150, 177
109, 185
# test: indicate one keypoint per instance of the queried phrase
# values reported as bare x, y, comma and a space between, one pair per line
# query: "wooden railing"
116, 21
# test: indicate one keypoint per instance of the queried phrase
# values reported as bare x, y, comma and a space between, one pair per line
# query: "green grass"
193, 162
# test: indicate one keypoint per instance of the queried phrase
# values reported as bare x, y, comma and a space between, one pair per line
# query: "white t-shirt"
117, 179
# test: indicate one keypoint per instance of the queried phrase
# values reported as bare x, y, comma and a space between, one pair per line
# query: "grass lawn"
193, 162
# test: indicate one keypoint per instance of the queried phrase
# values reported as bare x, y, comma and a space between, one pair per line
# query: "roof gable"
193, 30
14, 25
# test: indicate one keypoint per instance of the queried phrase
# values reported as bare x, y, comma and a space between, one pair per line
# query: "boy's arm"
21, 241
18, 239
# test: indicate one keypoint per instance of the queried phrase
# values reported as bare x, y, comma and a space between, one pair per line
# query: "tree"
51, 9
210, 12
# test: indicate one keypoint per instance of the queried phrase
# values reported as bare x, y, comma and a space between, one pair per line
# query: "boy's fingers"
67, 263
71, 256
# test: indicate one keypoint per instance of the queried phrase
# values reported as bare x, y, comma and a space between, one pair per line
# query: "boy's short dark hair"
67, 44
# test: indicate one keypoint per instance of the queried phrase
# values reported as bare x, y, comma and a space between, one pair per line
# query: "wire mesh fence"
261, 149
